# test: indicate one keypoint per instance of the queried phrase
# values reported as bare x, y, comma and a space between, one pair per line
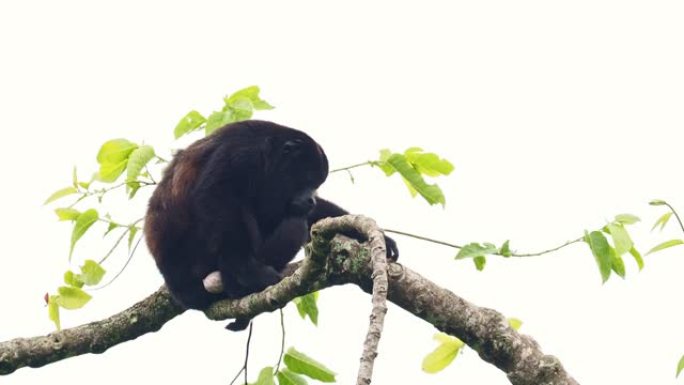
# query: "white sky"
556, 115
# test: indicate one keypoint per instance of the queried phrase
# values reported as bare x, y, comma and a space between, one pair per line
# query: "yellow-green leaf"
602, 252
680, 366
515, 323
72, 279
218, 119
110, 172
250, 94
115, 151
443, 355
91, 272
67, 214
665, 245
72, 297
657, 202
662, 221
637, 257
299, 362
190, 122
617, 264
265, 377
137, 161
627, 219
61, 193
428, 163
431, 192
621, 238
306, 305
82, 225
132, 231
53, 311
287, 377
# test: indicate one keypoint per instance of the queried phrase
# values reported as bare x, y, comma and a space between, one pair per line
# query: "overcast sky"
556, 116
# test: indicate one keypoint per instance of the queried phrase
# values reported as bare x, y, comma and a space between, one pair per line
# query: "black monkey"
240, 201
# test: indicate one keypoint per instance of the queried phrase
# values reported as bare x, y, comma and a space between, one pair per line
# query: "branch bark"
329, 262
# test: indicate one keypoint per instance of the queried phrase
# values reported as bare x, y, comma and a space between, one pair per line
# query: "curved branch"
329, 262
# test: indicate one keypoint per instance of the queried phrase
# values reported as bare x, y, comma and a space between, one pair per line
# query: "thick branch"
484, 330
146, 316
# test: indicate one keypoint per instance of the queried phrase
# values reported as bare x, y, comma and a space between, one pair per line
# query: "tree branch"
328, 262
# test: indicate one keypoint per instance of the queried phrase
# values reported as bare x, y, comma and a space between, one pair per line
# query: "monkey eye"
291, 145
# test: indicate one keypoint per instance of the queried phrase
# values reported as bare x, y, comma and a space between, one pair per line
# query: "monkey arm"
284, 242
325, 209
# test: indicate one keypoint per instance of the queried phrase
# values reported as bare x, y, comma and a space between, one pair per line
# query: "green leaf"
137, 161
67, 214
218, 119
428, 163
72, 279
265, 377
242, 109
72, 297
60, 194
621, 239
662, 221
74, 177
306, 305
132, 231
300, 363
82, 225
53, 311
473, 250
115, 151
250, 94
287, 377
665, 245
111, 227
505, 249
412, 190
110, 172
637, 257
91, 272
515, 323
627, 219
602, 252
657, 202
617, 264
113, 158
443, 355
192, 121
382, 162
85, 185
432, 193
480, 262
680, 366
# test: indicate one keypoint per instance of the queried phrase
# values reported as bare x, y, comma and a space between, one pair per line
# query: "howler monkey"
240, 201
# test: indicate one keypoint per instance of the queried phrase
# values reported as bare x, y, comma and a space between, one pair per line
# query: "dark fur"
240, 201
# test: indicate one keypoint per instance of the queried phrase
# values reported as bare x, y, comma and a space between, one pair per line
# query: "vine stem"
681, 225
519, 255
282, 342
366, 163
568, 243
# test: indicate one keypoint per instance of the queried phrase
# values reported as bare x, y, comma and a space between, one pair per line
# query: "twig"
130, 256
282, 341
366, 163
244, 366
520, 255
681, 225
